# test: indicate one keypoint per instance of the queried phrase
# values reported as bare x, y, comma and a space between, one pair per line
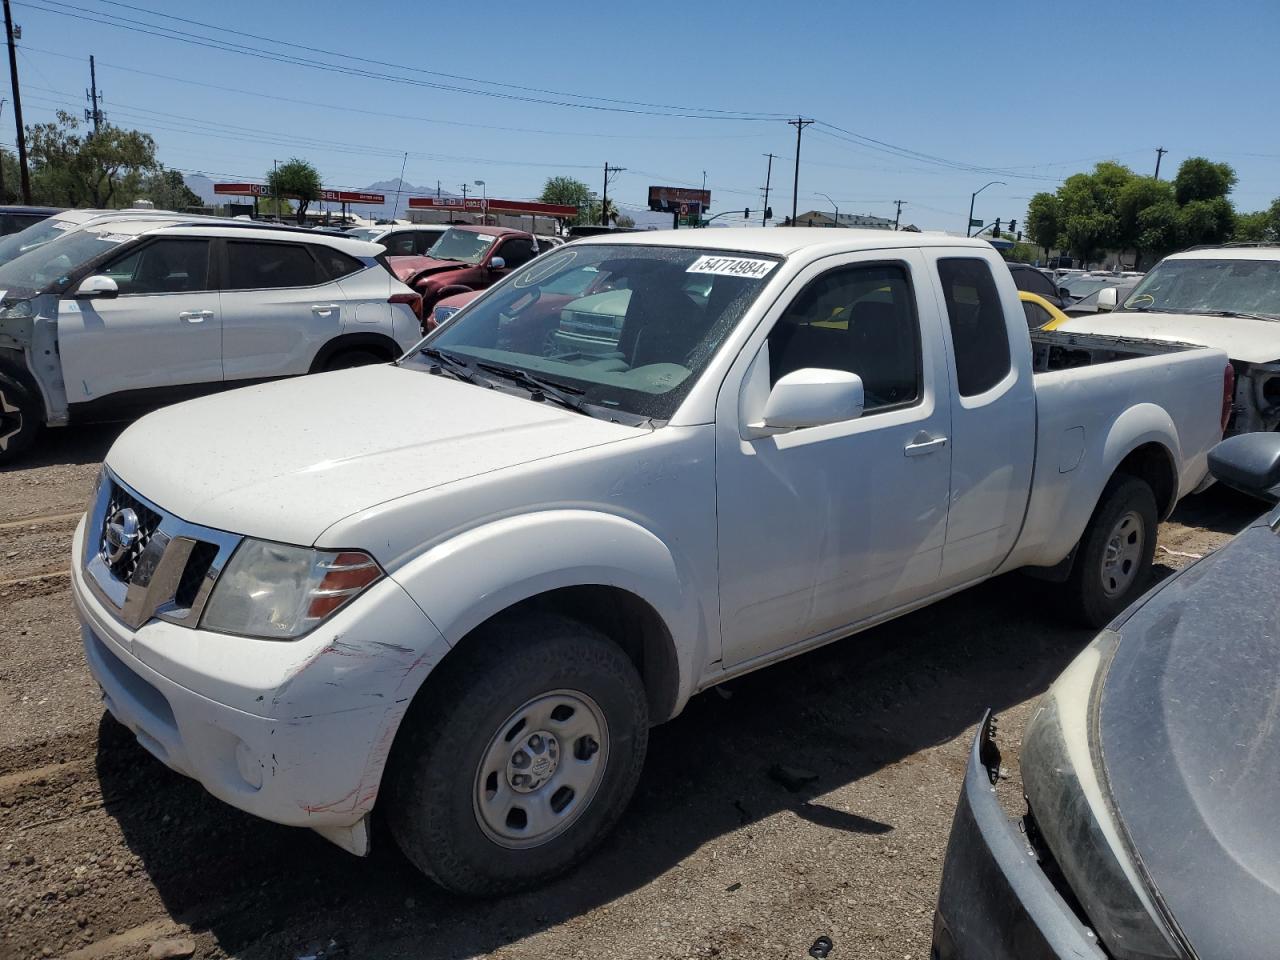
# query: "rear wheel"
1113, 561
20, 418
520, 757
353, 358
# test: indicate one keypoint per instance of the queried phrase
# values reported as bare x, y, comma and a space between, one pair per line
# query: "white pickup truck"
464, 585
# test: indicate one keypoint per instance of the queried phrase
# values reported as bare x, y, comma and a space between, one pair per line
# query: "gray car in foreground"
1151, 771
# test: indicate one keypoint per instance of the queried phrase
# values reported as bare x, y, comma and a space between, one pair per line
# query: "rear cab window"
979, 337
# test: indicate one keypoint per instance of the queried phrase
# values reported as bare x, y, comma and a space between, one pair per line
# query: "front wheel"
20, 419
520, 757
353, 358
1113, 561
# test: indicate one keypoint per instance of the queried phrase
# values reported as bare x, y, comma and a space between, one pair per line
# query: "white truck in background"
466, 599
1226, 297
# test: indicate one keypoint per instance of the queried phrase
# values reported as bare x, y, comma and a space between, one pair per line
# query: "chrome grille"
149, 522
153, 564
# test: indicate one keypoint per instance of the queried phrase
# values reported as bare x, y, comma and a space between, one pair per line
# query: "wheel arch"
604, 570
379, 342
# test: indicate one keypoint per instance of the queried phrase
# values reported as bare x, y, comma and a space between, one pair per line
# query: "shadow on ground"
60, 446
844, 711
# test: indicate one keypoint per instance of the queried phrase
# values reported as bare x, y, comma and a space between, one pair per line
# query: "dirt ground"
105, 853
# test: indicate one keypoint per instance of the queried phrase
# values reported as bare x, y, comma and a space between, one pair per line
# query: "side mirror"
1108, 297
97, 286
1248, 462
810, 398
1064, 293
497, 263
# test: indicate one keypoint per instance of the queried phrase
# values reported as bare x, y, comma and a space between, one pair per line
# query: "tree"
169, 191
1137, 195
623, 220
101, 169
1206, 221
1044, 221
297, 179
572, 192
1201, 179
275, 207
1088, 203
1261, 226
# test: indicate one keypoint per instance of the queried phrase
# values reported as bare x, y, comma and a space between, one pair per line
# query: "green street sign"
975, 223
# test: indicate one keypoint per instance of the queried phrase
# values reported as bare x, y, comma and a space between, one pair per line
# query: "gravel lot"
105, 853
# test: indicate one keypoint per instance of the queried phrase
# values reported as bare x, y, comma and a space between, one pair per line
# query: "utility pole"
898, 216
275, 191
799, 123
17, 107
1160, 152
768, 175
604, 196
95, 114
4, 197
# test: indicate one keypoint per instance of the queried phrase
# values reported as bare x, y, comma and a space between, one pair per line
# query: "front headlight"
278, 592
441, 314
1065, 788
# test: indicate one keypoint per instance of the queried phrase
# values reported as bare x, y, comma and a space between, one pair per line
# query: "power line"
61, 8
366, 112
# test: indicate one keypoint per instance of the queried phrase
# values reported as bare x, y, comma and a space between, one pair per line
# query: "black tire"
1097, 591
21, 418
436, 783
346, 359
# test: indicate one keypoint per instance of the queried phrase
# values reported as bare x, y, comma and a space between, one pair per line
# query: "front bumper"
996, 903
294, 732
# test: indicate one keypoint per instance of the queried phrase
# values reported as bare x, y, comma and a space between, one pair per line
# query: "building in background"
863, 221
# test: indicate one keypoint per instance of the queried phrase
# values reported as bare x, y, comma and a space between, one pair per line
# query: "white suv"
128, 314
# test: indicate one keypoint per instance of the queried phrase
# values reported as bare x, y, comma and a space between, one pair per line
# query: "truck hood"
1252, 341
1187, 733
284, 461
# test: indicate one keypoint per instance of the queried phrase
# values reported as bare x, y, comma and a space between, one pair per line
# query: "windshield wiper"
1243, 315
446, 361
538, 388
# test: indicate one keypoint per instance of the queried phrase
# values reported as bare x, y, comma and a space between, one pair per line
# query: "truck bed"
1084, 385
1052, 350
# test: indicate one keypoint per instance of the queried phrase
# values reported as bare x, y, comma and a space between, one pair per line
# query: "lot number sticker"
732, 266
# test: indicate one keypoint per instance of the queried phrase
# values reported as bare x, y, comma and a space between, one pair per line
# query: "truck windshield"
49, 265
1210, 286
625, 327
464, 246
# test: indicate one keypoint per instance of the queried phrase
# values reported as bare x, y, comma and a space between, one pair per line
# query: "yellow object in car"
1041, 314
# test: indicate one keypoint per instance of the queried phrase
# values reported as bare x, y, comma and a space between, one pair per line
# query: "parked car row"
636, 467
106, 315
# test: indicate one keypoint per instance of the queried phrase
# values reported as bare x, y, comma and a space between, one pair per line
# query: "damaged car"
1151, 773
1226, 297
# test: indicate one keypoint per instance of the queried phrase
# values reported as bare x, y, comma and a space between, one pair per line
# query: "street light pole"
484, 200
974, 196
836, 221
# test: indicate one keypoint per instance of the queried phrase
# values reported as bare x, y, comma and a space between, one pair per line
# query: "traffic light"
995, 233
768, 213
786, 222
1013, 225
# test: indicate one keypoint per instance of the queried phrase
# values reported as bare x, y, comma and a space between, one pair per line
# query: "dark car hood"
1189, 730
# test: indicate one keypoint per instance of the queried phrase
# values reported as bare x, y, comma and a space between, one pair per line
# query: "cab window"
860, 319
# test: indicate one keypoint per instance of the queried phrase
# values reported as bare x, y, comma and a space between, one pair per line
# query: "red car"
465, 258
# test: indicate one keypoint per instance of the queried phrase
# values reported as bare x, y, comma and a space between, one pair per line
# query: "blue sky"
1035, 91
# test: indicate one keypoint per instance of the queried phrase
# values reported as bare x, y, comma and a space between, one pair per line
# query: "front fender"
467, 579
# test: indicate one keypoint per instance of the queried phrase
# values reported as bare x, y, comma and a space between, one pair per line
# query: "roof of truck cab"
1250, 252
783, 241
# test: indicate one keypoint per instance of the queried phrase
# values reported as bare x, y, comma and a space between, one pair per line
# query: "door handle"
195, 316
324, 309
924, 444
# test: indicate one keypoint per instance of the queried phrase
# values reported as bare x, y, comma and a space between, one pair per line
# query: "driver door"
163, 330
823, 527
